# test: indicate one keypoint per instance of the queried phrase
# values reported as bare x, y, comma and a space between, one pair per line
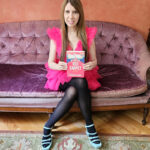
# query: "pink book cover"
75, 61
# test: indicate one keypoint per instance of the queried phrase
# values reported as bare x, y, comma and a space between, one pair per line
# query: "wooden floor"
111, 122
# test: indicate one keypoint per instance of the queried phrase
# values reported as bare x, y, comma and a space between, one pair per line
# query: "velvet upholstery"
28, 81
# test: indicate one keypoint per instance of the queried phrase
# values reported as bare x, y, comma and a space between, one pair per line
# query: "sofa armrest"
143, 57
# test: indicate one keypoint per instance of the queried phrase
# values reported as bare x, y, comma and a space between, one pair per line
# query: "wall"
133, 13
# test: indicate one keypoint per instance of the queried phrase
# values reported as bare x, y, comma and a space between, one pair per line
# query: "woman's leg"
63, 107
84, 101
84, 98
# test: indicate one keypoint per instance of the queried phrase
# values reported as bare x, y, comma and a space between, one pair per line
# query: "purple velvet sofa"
123, 60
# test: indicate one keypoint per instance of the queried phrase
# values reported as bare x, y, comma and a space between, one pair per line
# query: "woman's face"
71, 16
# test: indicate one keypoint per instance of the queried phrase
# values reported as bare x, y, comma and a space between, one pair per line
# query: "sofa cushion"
29, 81
119, 81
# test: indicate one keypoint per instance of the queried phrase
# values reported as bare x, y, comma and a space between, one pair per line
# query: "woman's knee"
81, 83
71, 93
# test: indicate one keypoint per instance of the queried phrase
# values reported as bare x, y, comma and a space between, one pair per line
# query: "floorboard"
106, 122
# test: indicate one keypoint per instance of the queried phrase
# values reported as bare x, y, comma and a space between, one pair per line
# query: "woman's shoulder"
91, 32
54, 33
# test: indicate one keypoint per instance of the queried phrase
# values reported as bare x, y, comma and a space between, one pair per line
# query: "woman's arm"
51, 60
92, 58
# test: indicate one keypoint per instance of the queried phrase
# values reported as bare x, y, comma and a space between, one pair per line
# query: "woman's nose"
71, 15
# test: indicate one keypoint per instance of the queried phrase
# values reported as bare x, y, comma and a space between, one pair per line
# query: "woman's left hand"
89, 65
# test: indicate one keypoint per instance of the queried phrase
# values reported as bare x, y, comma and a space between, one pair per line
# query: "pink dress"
55, 77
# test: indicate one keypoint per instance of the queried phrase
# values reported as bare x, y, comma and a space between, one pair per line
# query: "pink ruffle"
55, 77
91, 32
92, 76
55, 34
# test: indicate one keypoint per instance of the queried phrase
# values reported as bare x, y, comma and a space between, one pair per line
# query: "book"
75, 61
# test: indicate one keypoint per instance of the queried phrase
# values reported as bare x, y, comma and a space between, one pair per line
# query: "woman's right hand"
62, 65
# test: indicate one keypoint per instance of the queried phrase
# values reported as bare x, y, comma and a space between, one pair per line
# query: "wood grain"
106, 122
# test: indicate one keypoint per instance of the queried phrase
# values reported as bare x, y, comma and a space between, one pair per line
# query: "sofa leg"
145, 114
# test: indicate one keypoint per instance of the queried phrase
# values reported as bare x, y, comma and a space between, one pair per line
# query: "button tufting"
100, 35
16, 45
3, 45
131, 50
11, 53
23, 53
22, 38
102, 54
121, 47
115, 55
108, 45
36, 53
42, 44
115, 37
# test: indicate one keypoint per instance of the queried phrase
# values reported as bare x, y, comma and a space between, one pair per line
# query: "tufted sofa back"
24, 42
119, 44
28, 43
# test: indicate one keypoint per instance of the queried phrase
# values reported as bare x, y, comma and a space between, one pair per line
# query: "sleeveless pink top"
55, 77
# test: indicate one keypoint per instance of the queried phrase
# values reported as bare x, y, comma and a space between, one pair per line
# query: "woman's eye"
67, 11
75, 12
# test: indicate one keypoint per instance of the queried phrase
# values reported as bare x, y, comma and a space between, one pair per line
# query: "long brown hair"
80, 27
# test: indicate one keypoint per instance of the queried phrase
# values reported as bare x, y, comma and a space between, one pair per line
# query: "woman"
72, 36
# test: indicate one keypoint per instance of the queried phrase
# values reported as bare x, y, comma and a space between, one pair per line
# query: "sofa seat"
29, 80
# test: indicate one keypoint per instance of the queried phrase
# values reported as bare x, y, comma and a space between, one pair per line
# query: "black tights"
77, 90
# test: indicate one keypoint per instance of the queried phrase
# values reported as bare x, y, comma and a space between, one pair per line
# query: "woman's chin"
71, 25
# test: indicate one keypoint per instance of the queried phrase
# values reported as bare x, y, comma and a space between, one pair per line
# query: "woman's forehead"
69, 6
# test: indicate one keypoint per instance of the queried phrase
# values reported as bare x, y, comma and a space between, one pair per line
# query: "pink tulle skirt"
55, 77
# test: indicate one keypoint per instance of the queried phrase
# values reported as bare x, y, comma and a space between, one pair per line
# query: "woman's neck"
71, 30
72, 33
73, 38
